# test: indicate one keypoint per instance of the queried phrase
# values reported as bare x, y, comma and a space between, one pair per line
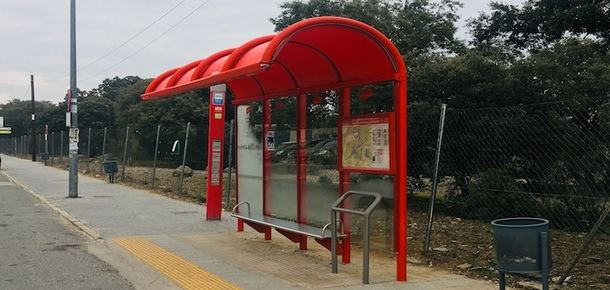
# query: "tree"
17, 115
172, 114
539, 23
96, 112
109, 88
415, 26
570, 69
472, 79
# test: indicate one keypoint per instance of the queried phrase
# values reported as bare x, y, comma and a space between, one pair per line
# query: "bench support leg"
260, 228
303, 243
326, 244
297, 238
240, 225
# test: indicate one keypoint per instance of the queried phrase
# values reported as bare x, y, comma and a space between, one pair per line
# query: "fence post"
40, 146
125, 153
61, 146
88, 149
585, 245
46, 144
154, 169
437, 157
103, 150
186, 140
53, 148
231, 132
37, 143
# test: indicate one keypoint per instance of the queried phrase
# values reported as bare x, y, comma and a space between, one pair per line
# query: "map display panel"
366, 143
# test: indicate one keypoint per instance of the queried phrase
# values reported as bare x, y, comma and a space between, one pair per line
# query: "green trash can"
522, 246
111, 168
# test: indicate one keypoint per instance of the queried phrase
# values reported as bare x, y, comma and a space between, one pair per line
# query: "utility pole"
73, 149
33, 123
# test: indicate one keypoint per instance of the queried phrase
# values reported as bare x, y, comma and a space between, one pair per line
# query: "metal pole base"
73, 177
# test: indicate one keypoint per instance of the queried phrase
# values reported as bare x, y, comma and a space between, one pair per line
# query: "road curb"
87, 231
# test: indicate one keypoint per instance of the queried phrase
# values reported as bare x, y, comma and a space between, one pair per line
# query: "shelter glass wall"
322, 181
282, 174
250, 155
367, 100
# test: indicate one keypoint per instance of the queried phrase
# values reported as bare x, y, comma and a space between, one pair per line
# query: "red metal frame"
266, 160
312, 55
345, 111
216, 133
302, 165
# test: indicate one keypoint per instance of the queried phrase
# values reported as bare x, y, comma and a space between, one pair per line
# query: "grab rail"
365, 235
234, 211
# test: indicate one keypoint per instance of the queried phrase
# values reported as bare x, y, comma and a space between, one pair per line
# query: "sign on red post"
215, 151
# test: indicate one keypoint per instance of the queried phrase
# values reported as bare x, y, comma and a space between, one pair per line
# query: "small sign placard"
218, 98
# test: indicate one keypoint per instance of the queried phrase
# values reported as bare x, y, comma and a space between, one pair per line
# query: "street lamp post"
73, 142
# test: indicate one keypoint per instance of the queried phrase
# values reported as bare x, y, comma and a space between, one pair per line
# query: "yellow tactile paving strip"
186, 274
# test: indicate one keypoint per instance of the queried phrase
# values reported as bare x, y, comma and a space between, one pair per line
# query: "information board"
366, 143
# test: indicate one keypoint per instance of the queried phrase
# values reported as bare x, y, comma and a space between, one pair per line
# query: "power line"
26, 92
128, 40
149, 43
133, 37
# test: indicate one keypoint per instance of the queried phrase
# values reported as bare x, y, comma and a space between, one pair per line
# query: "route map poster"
366, 143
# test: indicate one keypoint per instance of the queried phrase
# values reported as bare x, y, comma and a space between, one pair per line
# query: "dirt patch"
465, 247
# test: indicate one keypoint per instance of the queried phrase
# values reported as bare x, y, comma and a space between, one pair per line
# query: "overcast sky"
34, 38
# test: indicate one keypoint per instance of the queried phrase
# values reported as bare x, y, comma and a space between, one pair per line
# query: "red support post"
268, 233
216, 141
302, 165
266, 162
344, 112
400, 180
240, 225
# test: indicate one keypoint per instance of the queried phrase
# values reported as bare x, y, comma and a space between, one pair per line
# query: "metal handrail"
327, 226
367, 217
234, 210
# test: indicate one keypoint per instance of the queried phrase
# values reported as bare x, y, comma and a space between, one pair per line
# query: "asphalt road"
40, 250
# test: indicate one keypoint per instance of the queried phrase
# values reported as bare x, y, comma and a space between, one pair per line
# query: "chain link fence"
545, 160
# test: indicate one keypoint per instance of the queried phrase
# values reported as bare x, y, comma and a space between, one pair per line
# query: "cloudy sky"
34, 38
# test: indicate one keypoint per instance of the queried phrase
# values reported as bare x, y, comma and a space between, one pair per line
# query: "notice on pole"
73, 136
366, 143
270, 140
216, 167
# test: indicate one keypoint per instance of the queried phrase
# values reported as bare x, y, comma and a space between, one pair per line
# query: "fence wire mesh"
545, 160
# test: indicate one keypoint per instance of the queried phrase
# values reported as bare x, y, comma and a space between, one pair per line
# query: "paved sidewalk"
39, 250
131, 223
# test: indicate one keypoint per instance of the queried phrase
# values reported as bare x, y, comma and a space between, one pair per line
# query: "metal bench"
328, 236
283, 225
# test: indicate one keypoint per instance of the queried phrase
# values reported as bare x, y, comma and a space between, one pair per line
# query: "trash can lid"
520, 222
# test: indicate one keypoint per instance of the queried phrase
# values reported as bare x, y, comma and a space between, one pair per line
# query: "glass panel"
250, 155
322, 186
382, 218
282, 179
371, 99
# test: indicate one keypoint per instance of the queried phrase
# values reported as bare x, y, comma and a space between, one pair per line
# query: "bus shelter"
321, 109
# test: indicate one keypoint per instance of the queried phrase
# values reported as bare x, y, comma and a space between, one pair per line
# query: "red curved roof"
313, 54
